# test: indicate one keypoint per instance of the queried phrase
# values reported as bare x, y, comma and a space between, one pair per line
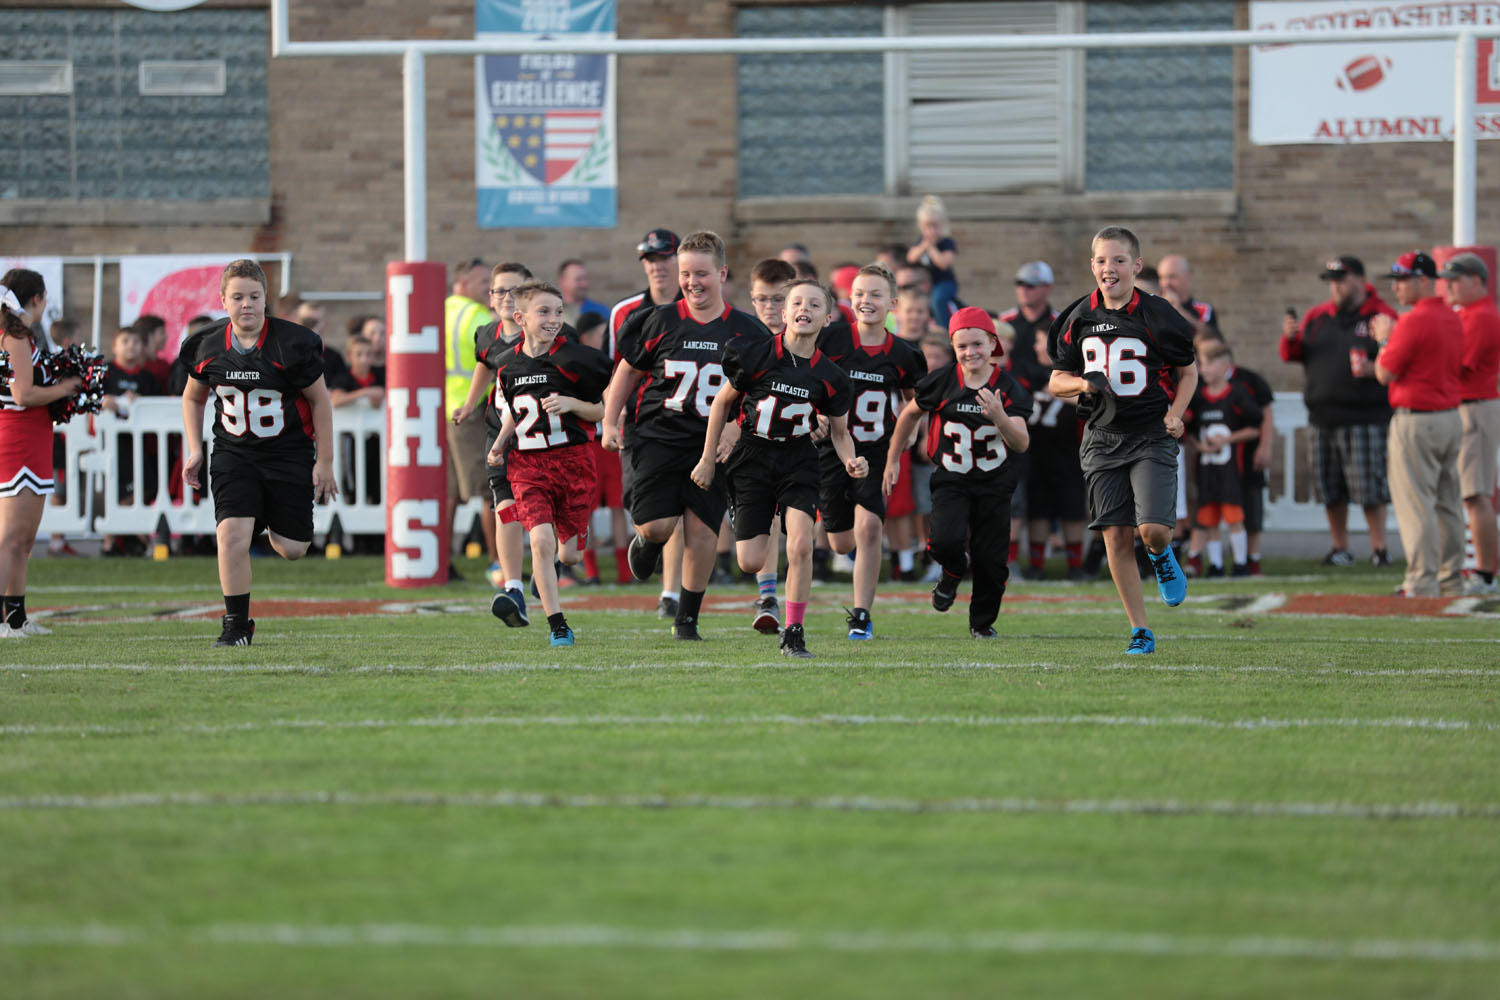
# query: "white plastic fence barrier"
108, 493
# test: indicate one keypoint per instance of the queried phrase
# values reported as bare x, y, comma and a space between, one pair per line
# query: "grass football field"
391, 794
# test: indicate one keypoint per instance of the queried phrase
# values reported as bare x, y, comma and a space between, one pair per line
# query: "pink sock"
794, 612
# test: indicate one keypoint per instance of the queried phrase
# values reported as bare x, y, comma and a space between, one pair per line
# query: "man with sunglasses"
1420, 364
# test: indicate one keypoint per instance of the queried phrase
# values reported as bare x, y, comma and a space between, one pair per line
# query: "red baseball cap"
972, 318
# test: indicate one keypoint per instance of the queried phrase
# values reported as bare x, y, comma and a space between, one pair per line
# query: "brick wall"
337, 183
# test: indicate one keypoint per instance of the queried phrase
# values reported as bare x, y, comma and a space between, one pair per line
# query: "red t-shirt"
1424, 353
1481, 359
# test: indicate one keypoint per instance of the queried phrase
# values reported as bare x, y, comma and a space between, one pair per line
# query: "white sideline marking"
852, 803
830, 720
825, 666
1443, 950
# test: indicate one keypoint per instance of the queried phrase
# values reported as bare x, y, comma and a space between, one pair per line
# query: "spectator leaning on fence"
1347, 410
1419, 362
1467, 280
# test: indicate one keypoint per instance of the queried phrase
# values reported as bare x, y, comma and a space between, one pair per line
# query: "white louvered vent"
35, 77
985, 121
198, 78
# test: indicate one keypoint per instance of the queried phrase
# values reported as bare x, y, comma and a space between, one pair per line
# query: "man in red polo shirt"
1479, 388
1419, 362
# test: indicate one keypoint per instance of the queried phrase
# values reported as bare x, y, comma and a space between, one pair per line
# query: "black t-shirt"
876, 377
260, 415
1135, 348
118, 381
782, 393
962, 442
1209, 415
568, 369
683, 364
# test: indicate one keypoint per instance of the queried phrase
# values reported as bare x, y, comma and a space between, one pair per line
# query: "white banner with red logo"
1380, 92
175, 287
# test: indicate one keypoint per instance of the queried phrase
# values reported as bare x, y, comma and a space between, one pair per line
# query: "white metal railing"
151, 435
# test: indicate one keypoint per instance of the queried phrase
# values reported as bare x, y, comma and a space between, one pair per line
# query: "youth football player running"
271, 406
553, 393
786, 384
671, 363
768, 283
883, 372
977, 418
491, 341
1120, 350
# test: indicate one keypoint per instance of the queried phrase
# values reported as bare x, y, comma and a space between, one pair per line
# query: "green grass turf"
891, 819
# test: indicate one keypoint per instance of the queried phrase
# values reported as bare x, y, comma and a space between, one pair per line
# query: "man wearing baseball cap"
1347, 410
1467, 289
1419, 362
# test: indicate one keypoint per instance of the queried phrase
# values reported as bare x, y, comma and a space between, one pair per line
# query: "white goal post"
415, 51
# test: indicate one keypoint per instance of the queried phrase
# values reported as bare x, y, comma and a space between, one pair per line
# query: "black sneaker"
945, 593
1338, 557
794, 643
860, 625
1380, 557
686, 630
510, 607
666, 607
238, 631
767, 615
988, 632
642, 556
1214, 572
1240, 570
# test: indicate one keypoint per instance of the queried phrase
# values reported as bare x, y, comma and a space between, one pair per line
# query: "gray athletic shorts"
1131, 478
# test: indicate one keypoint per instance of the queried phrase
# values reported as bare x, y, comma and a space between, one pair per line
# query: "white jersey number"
1045, 409
867, 415
1120, 360
257, 412
800, 415
529, 437
961, 458
1220, 457
706, 379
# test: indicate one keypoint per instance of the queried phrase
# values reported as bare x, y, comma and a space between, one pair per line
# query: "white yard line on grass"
1024, 942
695, 720
759, 803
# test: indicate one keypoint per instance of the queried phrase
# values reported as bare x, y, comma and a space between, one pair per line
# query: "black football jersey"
1210, 415
961, 441
1054, 421
782, 393
1252, 382
683, 364
876, 377
490, 345
260, 414
1136, 348
568, 369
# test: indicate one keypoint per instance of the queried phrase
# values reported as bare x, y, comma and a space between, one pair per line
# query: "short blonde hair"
242, 268
531, 289
705, 242
880, 271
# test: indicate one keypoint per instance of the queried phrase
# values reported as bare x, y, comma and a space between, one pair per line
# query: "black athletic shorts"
1253, 497
661, 487
243, 489
838, 494
495, 475
1131, 479
765, 479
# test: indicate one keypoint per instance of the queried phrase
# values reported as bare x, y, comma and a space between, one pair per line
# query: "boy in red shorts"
554, 395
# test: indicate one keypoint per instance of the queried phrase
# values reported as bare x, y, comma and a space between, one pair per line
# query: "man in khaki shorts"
1467, 289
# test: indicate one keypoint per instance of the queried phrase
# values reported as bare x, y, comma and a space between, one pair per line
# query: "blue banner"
545, 131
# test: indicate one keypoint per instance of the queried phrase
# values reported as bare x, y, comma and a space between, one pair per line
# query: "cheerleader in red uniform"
25, 443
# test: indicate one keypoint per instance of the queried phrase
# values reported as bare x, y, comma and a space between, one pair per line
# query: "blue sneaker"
1170, 583
510, 607
1141, 642
860, 625
562, 636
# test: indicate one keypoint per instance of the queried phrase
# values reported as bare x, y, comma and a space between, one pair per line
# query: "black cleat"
945, 593
666, 607
988, 632
794, 643
767, 616
510, 607
238, 631
642, 556
686, 630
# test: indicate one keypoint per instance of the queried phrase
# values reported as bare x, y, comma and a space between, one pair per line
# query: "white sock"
1239, 544
1216, 553
671, 594
512, 584
907, 558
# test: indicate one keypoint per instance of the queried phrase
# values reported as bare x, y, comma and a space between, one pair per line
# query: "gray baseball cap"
1465, 265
